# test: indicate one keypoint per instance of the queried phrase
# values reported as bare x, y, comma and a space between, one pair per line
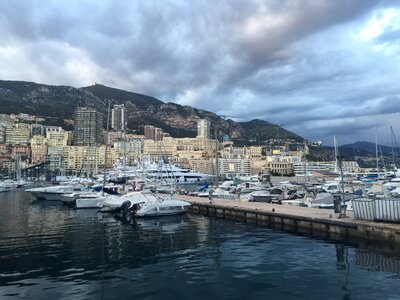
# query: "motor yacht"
54, 193
156, 206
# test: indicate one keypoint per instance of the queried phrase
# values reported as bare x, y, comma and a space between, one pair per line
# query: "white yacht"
160, 207
144, 204
53, 193
267, 195
171, 174
114, 203
90, 198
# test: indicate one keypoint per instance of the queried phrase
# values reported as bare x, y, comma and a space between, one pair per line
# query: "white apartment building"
204, 128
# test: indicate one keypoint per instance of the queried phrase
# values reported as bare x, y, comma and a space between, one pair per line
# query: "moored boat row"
142, 203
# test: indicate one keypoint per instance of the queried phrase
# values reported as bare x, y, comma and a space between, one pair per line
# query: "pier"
304, 220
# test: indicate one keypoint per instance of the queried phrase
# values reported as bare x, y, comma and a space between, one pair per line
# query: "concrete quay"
313, 221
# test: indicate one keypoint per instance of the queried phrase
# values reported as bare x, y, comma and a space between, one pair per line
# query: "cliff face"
57, 103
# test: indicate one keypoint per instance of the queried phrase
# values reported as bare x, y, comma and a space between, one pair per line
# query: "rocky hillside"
57, 104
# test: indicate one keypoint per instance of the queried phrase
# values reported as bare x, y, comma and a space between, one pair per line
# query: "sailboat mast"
376, 152
305, 162
392, 142
124, 135
106, 149
336, 153
216, 157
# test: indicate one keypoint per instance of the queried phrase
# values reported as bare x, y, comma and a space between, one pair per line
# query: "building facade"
119, 117
18, 133
204, 128
88, 125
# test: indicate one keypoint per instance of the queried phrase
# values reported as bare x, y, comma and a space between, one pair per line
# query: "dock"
304, 220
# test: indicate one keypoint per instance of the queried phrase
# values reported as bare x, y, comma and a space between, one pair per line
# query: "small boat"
156, 206
144, 204
268, 196
117, 203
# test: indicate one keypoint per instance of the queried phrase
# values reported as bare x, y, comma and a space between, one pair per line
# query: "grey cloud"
272, 60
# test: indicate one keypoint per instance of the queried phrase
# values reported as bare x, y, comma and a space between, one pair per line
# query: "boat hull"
51, 196
161, 207
161, 213
89, 202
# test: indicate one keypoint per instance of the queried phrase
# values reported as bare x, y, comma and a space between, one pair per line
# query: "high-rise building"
149, 132
203, 128
153, 133
119, 117
88, 125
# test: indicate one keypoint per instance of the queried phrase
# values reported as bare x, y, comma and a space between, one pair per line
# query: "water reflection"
51, 251
377, 262
165, 224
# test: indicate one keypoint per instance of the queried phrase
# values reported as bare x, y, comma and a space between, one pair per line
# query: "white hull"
90, 202
161, 213
161, 207
36, 194
53, 193
71, 198
51, 196
113, 203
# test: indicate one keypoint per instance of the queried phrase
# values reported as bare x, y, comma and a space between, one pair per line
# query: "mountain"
363, 152
57, 105
368, 147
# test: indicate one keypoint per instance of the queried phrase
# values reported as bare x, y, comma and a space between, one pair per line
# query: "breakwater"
305, 220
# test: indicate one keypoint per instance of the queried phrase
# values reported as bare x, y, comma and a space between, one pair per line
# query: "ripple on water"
48, 251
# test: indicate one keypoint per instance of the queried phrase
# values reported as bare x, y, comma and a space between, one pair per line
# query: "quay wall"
314, 222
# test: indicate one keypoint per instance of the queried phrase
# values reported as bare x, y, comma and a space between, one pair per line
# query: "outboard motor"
135, 208
125, 207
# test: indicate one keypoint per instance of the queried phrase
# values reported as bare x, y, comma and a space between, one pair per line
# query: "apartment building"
119, 118
18, 133
88, 126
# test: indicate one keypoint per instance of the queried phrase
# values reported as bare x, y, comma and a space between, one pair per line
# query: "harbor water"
50, 251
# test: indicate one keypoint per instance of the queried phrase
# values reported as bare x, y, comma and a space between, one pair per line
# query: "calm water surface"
49, 251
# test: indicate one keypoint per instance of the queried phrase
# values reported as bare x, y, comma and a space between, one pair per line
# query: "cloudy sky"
317, 67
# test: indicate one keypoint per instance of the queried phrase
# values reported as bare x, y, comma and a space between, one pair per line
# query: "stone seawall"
315, 222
